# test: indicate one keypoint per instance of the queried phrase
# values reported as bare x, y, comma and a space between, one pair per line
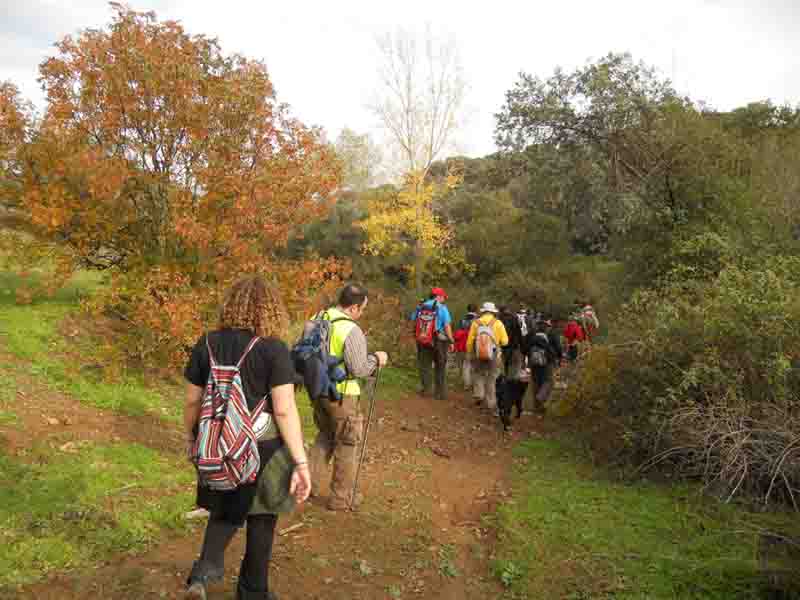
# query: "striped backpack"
225, 450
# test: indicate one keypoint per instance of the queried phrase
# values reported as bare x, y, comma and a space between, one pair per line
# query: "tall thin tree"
419, 103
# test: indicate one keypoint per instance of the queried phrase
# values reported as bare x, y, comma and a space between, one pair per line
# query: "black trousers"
508, 355
254, 570
436, 356
543, 376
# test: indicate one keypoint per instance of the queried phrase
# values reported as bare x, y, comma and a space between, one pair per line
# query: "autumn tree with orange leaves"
173, 168
15, 125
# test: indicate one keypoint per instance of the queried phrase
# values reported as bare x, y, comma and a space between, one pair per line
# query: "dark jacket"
513, 330
552, 346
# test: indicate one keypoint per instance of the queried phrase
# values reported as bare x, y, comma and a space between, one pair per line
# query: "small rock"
71, 447
53, 421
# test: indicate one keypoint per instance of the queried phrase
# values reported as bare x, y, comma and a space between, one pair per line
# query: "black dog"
509, 394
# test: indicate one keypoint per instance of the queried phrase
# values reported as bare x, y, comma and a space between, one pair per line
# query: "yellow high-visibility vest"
339, 332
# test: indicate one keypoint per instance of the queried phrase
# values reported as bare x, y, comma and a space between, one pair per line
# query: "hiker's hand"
189, 447
382, 357
451, 348
300, 485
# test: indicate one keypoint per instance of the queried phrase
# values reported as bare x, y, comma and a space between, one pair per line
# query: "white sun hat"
489, 307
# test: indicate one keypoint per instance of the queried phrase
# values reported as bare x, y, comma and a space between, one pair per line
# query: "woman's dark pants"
253, 573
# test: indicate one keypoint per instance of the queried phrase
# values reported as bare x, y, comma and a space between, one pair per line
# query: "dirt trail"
48, 416
434, 471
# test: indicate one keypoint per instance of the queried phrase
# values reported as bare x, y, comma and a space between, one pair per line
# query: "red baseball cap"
438, 292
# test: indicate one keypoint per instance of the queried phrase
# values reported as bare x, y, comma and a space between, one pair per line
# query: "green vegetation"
65, 510
573, 533
31, 332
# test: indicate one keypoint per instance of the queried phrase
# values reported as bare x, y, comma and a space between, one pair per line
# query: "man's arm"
447, 323
473, 328
502, 334
356, 359
448, 330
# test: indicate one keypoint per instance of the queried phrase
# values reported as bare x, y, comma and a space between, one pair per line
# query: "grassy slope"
66, 510
572, 533
30, 332
60, 510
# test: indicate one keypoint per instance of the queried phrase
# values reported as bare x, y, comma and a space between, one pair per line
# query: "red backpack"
461, 336
425, 328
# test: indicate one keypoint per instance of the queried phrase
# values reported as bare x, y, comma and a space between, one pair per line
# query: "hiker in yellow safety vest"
341, 422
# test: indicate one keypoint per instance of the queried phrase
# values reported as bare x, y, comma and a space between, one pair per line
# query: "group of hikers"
498, 351
243, 429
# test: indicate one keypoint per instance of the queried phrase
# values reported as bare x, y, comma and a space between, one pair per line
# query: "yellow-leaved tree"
405, 224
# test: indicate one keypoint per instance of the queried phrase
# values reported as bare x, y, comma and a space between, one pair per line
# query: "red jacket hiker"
461, 336
573, 332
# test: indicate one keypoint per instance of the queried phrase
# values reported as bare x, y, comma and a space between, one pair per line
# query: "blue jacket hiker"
434, 335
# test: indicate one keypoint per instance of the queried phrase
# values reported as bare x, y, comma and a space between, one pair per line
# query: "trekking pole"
366, 431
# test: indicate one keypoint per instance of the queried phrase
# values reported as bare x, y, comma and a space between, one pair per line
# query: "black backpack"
540, 351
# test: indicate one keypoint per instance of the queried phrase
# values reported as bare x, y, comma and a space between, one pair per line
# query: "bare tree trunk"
419, 267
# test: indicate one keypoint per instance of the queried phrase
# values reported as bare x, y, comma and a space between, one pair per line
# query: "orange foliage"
173, 166
14, 126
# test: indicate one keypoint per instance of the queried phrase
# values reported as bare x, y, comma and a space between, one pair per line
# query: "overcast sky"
321, 54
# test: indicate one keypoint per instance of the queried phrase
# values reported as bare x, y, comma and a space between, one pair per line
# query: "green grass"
30, 332
67, 510
64, 510
8, 396
570, 533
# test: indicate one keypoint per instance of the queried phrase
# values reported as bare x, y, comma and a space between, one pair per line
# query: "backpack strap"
348, 376
210, 353
252, 343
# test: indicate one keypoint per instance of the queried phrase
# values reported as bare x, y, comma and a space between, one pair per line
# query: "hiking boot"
340, 505
196, 591
203, 572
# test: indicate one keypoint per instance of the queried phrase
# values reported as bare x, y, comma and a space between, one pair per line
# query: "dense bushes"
707, 383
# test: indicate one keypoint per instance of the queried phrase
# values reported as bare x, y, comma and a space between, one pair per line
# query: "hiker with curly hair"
251, 320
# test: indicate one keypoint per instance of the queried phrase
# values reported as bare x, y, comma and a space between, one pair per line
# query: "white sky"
321, 54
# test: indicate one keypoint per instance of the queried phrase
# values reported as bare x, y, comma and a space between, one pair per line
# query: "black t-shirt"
268, 364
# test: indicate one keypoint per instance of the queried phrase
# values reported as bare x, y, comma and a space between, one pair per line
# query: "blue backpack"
313, 361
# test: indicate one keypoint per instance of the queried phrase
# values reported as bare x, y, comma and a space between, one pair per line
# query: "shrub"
707, 383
